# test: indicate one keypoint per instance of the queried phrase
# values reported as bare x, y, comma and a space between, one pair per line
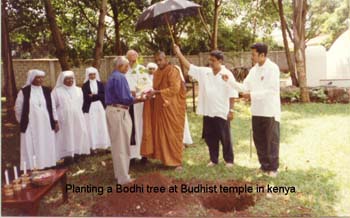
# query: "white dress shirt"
263, 83
134, 74
214, 93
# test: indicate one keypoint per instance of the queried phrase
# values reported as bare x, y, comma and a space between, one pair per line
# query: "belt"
119, 106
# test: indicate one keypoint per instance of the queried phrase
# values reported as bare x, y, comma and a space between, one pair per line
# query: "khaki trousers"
119, 127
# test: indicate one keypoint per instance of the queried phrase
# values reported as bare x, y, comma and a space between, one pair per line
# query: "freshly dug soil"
172, 204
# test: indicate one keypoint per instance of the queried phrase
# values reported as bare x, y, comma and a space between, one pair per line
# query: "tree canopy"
240, 23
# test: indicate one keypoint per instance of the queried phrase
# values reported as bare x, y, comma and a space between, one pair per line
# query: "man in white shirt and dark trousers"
215, 103
263, 83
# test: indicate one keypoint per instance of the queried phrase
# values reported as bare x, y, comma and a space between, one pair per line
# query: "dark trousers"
215, 130
266, 134
132, 138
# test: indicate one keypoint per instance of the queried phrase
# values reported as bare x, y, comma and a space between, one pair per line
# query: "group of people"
62, 123
141, 112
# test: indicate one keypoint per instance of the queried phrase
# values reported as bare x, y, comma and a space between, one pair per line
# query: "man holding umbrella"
215, 103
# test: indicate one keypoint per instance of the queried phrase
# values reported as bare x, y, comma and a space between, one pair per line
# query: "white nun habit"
73, 136
96, 121
38, 142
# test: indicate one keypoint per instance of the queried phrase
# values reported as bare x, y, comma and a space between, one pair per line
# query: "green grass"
314, 158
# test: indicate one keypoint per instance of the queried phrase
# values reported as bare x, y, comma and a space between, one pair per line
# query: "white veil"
32, 74
64, 74
91, 70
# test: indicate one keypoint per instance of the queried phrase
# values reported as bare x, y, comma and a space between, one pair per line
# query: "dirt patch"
172, 204
225, 202
141, 204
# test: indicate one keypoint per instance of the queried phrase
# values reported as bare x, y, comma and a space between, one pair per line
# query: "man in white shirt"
215, 103
263, 83
135, 75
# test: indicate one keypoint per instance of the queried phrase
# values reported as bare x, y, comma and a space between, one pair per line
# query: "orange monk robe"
164, 118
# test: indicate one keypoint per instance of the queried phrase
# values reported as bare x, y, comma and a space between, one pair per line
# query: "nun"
151, 68
68, 99
38, 123
94, 110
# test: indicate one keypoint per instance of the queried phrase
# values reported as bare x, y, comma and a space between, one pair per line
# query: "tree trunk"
299, 19
10, 89
285, 43
98, 53
57, 38
214, 36
117, 46
255, 22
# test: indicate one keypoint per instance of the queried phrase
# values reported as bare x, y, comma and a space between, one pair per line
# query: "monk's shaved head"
161, 59
160, 54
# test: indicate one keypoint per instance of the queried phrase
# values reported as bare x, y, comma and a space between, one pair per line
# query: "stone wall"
52, 66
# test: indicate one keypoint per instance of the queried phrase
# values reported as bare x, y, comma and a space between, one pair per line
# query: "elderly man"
38, 121
215, 103
73, 138
164, 115
135, 75
118, 99
263, 83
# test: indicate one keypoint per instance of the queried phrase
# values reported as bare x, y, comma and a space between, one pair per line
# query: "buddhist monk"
164, 115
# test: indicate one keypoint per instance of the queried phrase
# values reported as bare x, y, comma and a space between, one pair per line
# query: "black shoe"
132, 162
68, 161
144, 160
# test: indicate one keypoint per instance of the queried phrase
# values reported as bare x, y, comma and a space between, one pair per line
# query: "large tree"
124, 12
61, 51
299, 18
285, 29
214, 36
98, 52
9, 77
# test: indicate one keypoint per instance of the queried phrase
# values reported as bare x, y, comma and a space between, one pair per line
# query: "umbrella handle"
168, 25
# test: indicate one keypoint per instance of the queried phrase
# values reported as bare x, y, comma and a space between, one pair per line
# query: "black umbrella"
165, 13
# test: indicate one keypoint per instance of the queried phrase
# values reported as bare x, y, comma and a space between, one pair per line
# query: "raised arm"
185, 63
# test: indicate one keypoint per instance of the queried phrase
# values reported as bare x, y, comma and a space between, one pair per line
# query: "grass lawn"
314, 158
